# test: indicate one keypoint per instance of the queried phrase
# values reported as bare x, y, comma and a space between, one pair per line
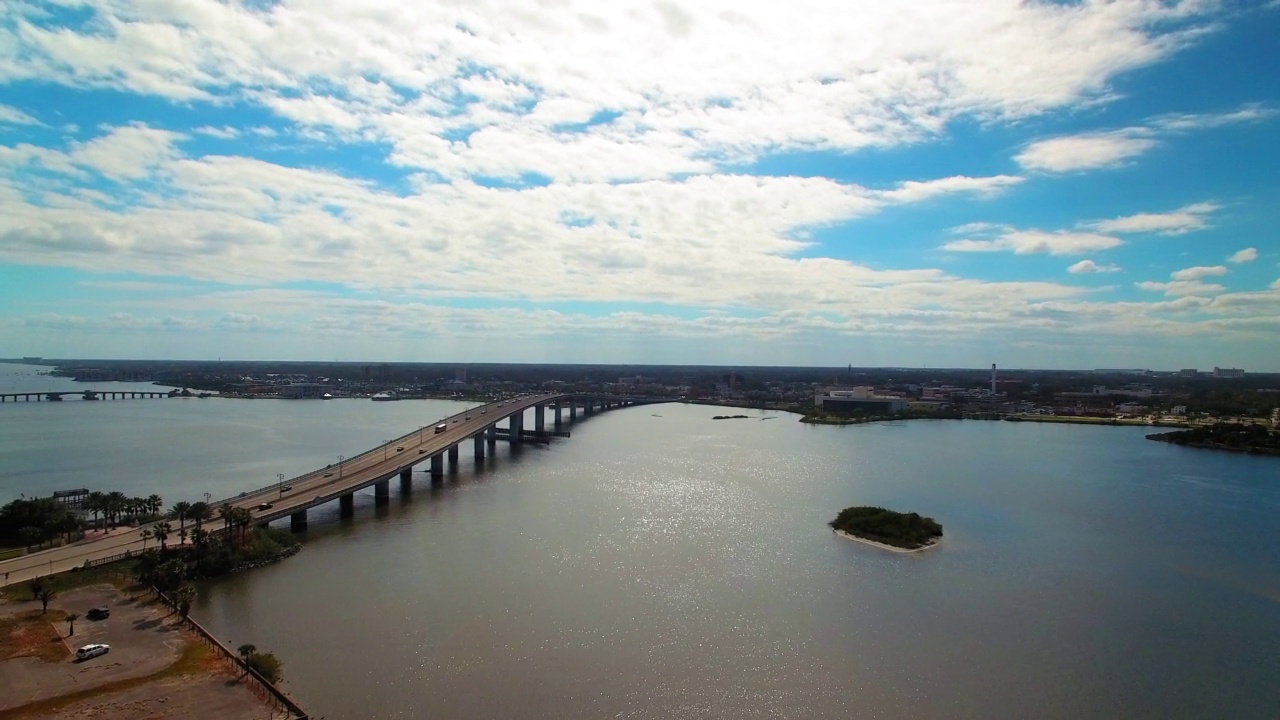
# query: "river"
661, 564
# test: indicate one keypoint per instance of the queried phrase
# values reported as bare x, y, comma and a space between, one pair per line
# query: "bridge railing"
313, 473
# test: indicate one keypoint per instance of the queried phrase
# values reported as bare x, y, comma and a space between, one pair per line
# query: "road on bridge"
308, 490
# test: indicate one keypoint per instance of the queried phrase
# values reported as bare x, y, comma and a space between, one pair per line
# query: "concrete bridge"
437, 445
57, 395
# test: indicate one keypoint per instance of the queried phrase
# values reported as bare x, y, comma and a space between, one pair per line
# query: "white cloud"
1182, 220
469, 89
127, 152
13, 116
1102, 149
1189, 121
1026, 242
1179, 288
1199, 272
1246, 255
915, 191
224, 132
1085, 152
1088, 266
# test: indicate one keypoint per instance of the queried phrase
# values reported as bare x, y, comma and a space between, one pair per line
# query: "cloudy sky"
926, 183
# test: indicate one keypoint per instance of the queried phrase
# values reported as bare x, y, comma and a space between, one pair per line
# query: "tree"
71, 623
147, 534
182, 511
184, 596
182, 536
31, 536
199, 512
115, 504
161, 532
267, 665
154, 503
246, 651
96, 503
46, 593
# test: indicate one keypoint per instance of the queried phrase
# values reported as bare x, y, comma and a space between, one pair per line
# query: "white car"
92, 651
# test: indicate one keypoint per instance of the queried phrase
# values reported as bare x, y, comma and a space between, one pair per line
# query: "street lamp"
339, 467
280, 477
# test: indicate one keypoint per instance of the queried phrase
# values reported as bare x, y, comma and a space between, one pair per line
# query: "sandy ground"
145, 640
882, 546
207, 695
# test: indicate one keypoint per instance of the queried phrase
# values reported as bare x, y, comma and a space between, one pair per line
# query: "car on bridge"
265, 506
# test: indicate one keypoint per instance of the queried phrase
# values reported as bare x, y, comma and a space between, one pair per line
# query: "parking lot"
142, 637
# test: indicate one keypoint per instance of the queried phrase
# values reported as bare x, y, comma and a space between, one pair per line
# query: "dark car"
264, 506
98, 613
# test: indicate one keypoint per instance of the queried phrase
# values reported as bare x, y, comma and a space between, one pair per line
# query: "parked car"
92, 651
98, 613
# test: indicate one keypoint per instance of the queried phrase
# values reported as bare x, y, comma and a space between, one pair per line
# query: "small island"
1236, 437
731, 417
901, 532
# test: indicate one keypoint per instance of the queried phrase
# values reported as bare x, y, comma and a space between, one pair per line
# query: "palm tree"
199, 512
185, 595
182, 536
96, 503
161, 532
246, 651
154, 503
181, 510
147, 534
226, 512
71, 623
44, 595
116, 503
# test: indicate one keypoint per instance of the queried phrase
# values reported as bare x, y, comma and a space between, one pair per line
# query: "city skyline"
947, 184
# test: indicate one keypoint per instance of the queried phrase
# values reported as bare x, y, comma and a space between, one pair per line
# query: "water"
677, 566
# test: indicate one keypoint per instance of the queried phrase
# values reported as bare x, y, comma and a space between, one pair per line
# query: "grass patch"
11, 553
196, 658
30, 634
120, 576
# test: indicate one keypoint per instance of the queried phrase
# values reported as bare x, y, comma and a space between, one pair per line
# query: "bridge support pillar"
437, 465
453, 456
479, 441
347, 505
557, 415
406, 480
492, 435
382, 491
516, 425
540, 419
298, 521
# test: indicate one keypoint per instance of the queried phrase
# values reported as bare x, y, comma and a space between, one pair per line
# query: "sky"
935, 183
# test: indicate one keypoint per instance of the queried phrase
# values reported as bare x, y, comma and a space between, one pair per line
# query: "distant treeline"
1225, 436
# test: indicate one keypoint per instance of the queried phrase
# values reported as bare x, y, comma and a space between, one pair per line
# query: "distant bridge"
436, 444
57, 395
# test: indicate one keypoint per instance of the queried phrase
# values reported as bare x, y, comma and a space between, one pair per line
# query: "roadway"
308, 490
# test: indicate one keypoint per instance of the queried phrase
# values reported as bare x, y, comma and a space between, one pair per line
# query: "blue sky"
944, 183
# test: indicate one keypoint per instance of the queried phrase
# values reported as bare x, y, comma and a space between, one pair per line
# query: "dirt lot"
155, 667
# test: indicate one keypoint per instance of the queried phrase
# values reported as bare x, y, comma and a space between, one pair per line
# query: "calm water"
676, 566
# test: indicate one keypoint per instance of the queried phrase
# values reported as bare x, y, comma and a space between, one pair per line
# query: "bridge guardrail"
313, 473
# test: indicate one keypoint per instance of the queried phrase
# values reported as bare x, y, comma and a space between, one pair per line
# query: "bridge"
437, 445
57, 395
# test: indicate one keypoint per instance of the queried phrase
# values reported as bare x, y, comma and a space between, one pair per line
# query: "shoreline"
884, 546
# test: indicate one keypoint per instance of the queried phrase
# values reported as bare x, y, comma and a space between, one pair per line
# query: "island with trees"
904, 532
1236, 437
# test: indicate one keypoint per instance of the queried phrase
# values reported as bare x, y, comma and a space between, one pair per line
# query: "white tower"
993, 378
